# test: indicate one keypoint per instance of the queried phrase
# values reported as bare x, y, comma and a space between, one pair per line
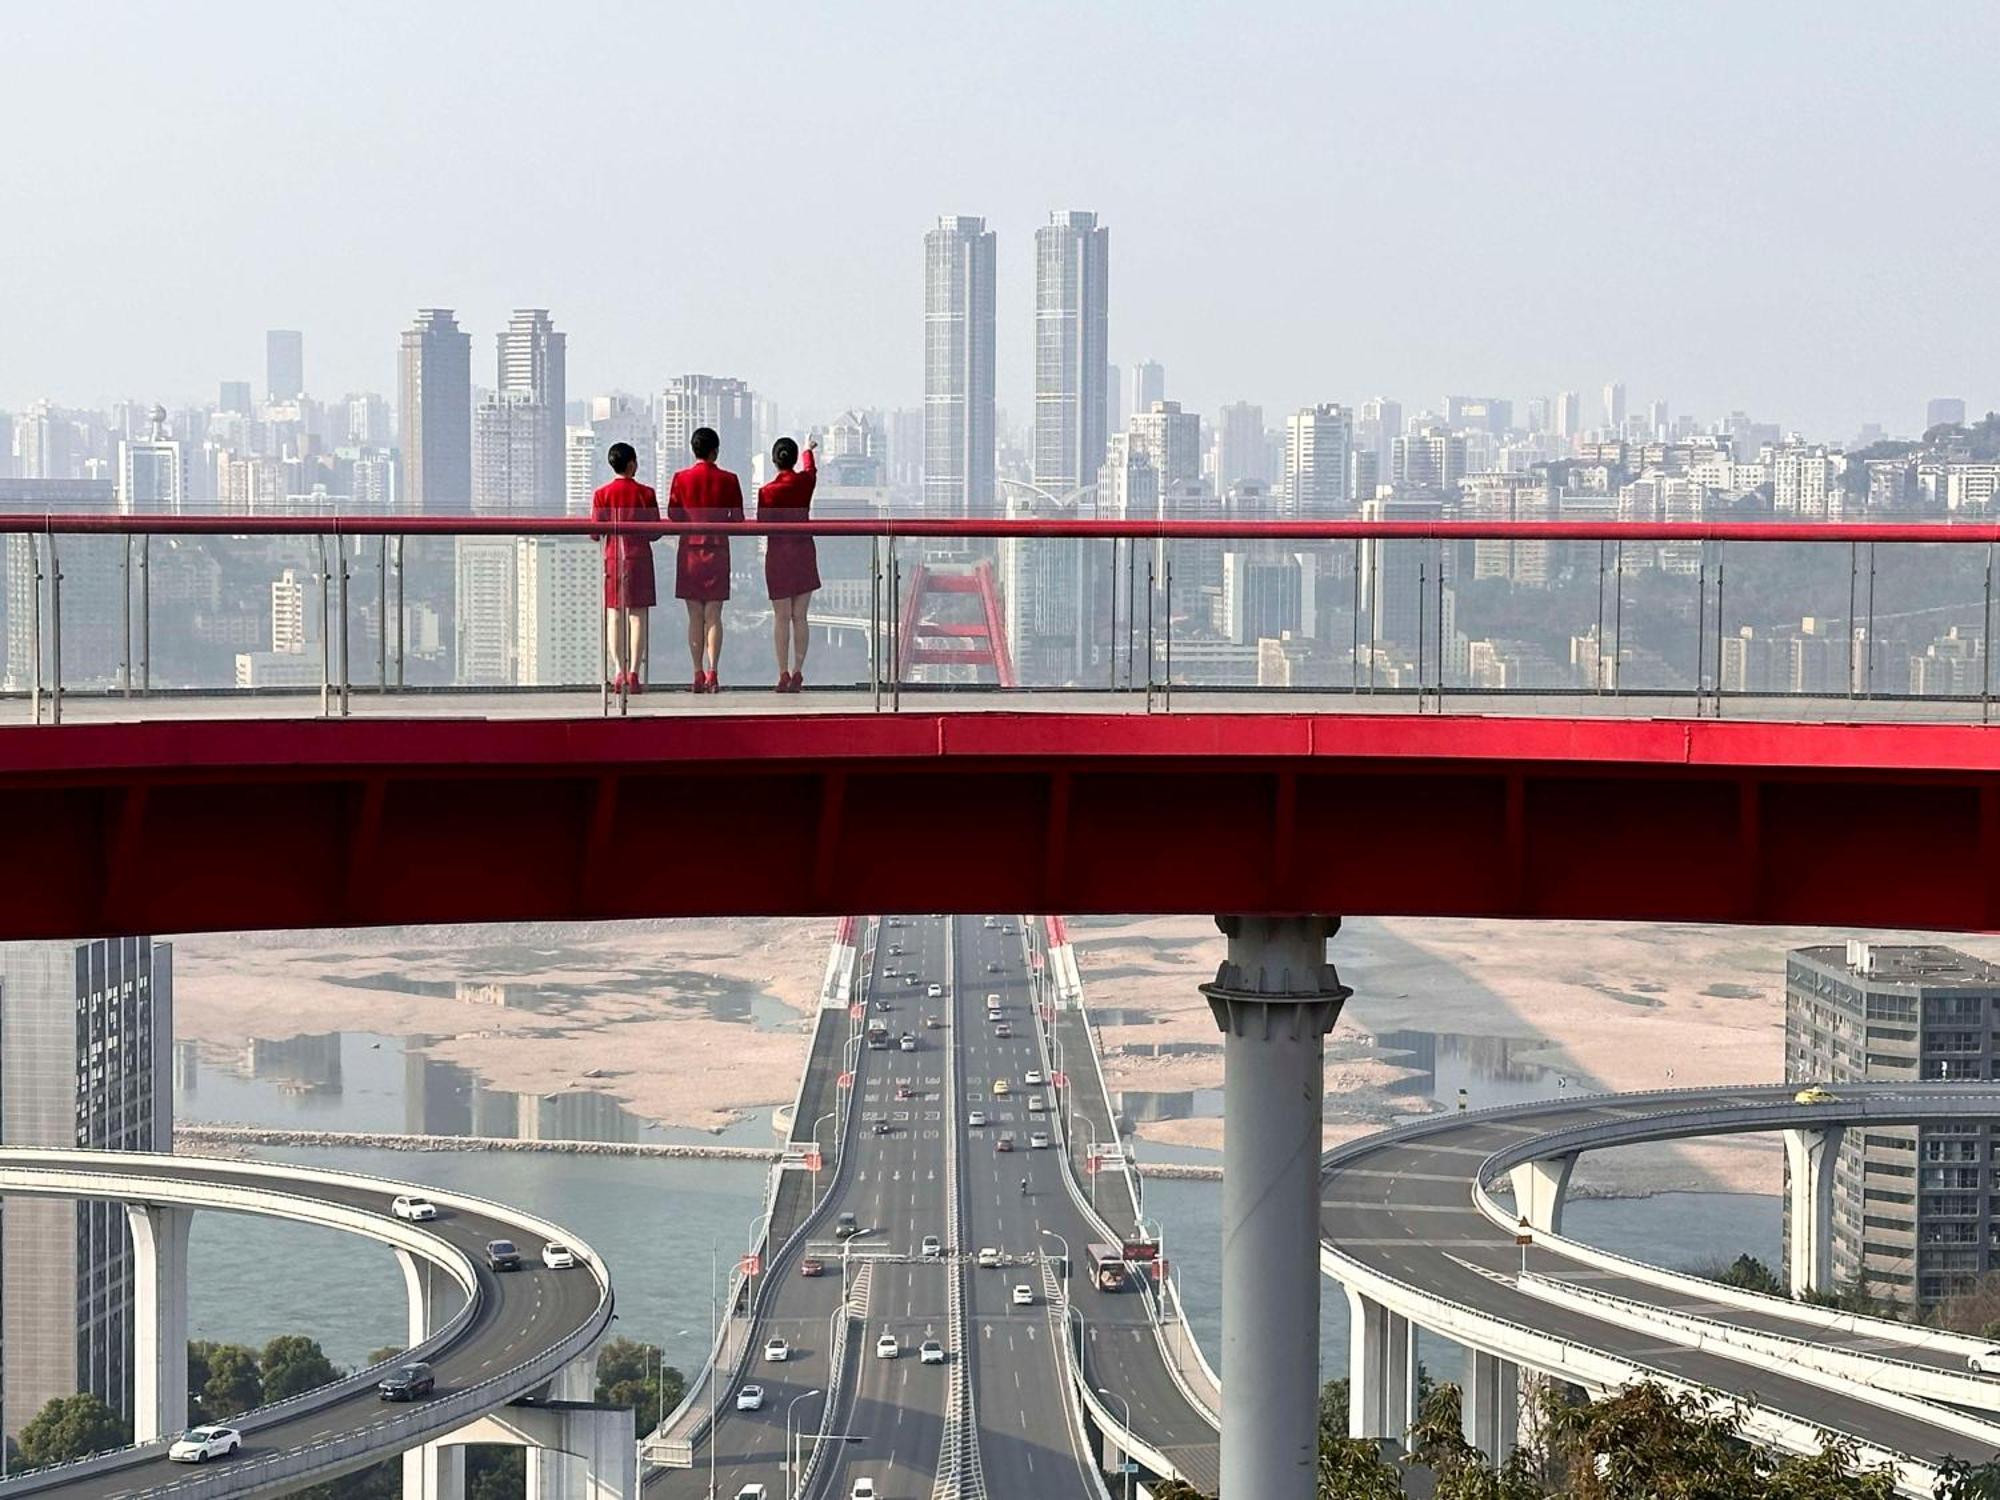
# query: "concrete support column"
1367, 1362
594, 1458
1399, 1389
422, 1283
1275, 997
1809, 1161
159, 1319
1539, 1189
1490, 1405
435, 1471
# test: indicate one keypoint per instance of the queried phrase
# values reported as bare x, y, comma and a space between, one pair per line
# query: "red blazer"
789, 493
703, 492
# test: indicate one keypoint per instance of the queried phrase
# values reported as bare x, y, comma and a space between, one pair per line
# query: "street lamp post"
1124, 1458
817, 1152
1052, 1234
791, 1452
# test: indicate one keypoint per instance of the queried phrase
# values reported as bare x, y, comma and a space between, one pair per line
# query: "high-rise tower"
958, 367
437, 415
531, 371
1072, 391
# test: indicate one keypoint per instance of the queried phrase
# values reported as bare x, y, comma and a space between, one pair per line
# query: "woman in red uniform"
628, 568
791, 563
704, 492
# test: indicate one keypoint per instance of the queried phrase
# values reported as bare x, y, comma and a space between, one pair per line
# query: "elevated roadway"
1405, 1230
514, 1336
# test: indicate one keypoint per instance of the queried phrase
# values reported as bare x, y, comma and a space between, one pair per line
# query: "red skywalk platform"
187, 825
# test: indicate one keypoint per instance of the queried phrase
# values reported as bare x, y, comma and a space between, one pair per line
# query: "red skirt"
701, 571
638, 591
791, 566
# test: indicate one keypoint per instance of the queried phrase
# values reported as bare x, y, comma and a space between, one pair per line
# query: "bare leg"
712, 632
781, 629
614, 640
641, 621
801, 632
695, 633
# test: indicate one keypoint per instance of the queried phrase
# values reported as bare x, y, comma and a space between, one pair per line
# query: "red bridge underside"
180, 826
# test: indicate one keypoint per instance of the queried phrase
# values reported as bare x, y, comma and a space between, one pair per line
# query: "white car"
933, 1246
1985, 1362
753, 1492
777, 1351
936, 992
558, 1257
750, 1398
931, 1353
199, 1444
1024, 1295
413, 1206
886, 1347
1038, 1141
864, 1489
1032, 1078
976, 1118
988, 1258
1037, 1105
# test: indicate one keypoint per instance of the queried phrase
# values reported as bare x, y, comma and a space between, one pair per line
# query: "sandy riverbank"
1603, 1006
658, 1015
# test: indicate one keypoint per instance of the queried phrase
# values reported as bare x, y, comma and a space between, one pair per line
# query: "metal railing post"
1132, 614
1700, 628
1354, 625
399, 613
55, 630
1868, 639
382, 615
1618, 615
1423, 594
340, 550
35, 627
895, 630
1597, 685
125, 636
1111, 638
1149, 632
325, 637
1167, 681
1440, 628
146, 614
1853, 570
875, 621
1986, 646
1718, 628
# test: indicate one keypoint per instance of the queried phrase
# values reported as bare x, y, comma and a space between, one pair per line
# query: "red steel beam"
178, 826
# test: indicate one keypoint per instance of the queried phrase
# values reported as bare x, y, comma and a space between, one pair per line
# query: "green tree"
293, 1363
383, 1355
1751, 1274
631, 1373
495, 1472
1354, 1469
70, 1427
231, 1382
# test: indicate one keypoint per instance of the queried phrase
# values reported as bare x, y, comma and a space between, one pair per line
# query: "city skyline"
1580, 270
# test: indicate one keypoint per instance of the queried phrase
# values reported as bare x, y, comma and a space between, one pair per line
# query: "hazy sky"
1782, 207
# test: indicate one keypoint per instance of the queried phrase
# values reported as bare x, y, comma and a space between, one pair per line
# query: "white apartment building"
1318, 470
558, 611
483, 631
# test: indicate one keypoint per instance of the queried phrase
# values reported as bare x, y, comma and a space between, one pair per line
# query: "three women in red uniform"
628, 568
791, 563
704, 492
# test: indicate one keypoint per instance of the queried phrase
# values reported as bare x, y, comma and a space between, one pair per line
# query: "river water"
661, 1224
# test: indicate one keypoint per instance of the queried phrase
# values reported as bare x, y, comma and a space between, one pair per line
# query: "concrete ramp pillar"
1490, 1405
423, 1285
1381, 1371
159, 1319
436, 1471
1367, 1365
1539, 1189
1809, 1160
1275, 997
594, 1458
